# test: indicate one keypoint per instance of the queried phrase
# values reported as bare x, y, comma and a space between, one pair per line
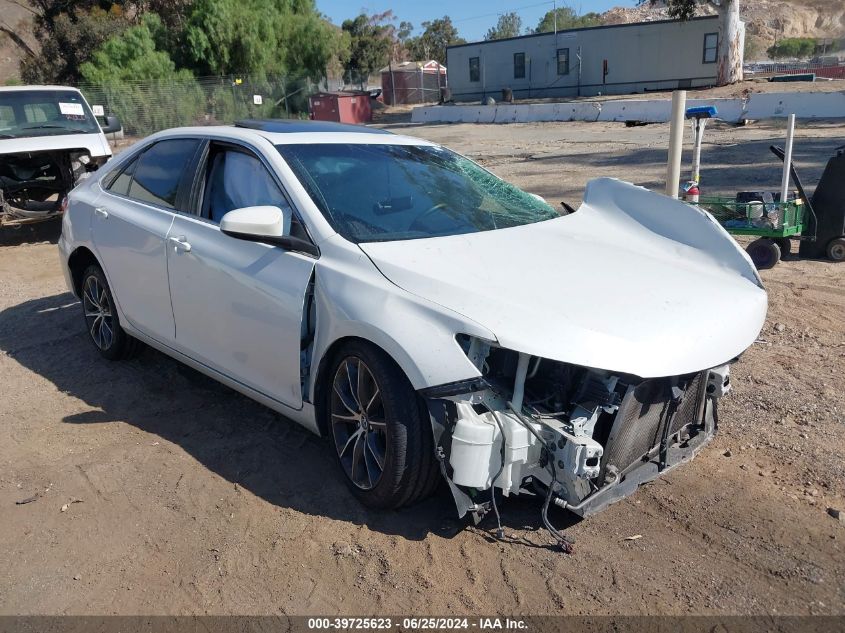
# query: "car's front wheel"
101, 317
379, 429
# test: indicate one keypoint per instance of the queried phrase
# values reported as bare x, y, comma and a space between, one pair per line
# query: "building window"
519, 65
563, 61
474, 69
711, 46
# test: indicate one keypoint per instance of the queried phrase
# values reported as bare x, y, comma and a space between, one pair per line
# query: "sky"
471, 17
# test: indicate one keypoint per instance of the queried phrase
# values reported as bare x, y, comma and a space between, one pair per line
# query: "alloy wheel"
358, 422
98, 313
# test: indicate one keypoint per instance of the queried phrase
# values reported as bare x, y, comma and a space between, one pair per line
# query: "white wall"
805, 105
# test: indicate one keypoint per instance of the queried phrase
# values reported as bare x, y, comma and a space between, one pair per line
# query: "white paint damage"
630, 273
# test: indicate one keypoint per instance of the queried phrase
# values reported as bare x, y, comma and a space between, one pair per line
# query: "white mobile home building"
614, 59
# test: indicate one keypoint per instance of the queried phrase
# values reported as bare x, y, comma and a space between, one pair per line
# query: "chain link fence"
145, 107
831, 69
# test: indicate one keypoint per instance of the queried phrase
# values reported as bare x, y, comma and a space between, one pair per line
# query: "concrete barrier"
805, 105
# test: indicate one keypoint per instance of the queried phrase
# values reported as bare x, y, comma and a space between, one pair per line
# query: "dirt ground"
160, 491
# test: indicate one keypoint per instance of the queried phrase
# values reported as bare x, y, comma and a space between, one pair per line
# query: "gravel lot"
159, 491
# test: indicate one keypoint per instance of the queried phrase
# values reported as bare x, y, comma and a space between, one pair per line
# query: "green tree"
371, 43
68, 33
258, 37
432, 43
129, 72
508, 25
793, 47
564, 18
132, 55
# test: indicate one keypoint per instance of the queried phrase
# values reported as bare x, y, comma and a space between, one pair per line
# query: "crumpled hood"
95, 143
633, 282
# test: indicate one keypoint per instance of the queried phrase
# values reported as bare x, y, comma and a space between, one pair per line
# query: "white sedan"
431, 319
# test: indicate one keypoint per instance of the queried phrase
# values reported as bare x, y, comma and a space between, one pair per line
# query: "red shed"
344, 107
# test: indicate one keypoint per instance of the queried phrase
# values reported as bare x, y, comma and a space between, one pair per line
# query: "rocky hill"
17, 19
766, 20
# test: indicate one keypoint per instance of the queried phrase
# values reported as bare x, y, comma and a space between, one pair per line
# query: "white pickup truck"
49, 141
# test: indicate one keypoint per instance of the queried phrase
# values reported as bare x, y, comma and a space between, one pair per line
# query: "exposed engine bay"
34, 184
581, 438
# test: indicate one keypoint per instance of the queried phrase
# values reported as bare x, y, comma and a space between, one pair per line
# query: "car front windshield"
376, 193
25, 113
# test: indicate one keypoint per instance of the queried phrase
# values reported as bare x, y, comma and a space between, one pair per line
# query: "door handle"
101, 212
180, 244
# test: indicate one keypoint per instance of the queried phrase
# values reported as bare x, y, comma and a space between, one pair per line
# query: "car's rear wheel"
379, 430
101, 319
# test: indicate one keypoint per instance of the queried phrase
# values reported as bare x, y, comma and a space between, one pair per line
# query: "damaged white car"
430, 319
49, 141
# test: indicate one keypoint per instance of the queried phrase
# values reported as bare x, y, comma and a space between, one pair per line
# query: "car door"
129, 229
238, 305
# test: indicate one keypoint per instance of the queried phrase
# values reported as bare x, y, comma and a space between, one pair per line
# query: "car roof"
27, 88
298, 132
293, 126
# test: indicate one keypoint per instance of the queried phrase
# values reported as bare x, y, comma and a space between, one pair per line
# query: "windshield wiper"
51, 127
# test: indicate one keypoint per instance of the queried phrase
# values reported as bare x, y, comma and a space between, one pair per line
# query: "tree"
508, 25
432, 44
113, 75
793, 47
371, 45
730, 35
258, 37
68, 33
132, 55
564, 18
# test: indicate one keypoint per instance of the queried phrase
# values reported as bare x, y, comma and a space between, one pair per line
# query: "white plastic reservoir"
472, 452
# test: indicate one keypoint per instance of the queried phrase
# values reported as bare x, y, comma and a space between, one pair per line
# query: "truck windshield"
376, 193
25, 113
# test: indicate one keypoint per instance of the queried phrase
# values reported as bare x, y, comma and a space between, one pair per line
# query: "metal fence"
145, 107
833, 69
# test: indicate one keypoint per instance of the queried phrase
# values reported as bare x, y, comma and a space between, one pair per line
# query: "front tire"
379, 429
101, 320
764, 252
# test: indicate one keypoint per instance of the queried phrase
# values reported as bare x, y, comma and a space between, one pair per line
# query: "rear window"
160, 170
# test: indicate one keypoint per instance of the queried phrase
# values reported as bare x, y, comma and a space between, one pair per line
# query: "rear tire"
379, 429
101, 321
836, 249
764, 252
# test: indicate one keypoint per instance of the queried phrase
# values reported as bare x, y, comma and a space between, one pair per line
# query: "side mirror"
112, 125
268, 225
256, 222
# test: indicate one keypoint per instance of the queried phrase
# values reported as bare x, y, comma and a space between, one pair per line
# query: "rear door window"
160, 171
120, 185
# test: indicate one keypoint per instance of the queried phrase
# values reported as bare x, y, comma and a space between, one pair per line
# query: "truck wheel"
380, 433
836, 249
764, 252
785, 246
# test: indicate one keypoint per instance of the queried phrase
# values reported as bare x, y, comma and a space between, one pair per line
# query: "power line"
487, 15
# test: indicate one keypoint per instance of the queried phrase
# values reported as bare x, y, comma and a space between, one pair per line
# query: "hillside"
17, 19
766, 20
